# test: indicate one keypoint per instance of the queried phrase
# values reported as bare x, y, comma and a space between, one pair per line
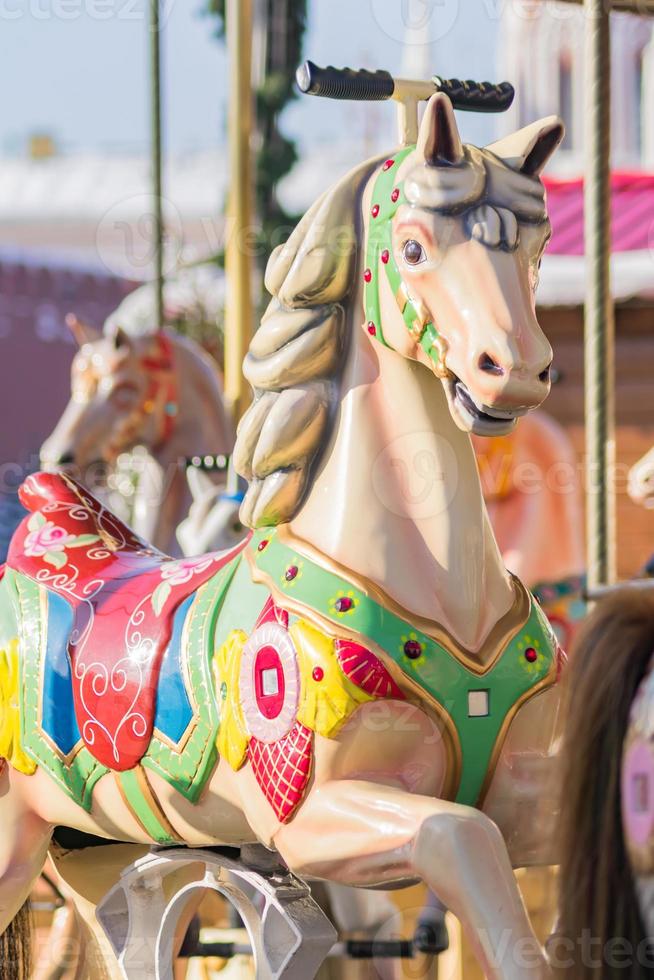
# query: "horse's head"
455, 238
122, 395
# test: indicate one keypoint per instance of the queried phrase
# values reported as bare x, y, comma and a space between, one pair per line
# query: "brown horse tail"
598, 903
16, 947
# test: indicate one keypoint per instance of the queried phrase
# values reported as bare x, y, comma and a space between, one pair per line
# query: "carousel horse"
641, 480
157, 390
360, 686
530, 481
607, 822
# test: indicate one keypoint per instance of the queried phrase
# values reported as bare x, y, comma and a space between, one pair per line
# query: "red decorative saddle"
123, 593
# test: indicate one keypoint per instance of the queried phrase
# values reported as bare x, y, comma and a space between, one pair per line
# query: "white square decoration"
269, 681
478, 704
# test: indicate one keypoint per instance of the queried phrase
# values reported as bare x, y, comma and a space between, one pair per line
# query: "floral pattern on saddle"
124, 595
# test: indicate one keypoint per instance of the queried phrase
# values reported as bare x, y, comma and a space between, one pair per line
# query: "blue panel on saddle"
57, 711
174, 712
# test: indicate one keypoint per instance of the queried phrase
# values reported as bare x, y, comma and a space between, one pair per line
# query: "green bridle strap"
387, 197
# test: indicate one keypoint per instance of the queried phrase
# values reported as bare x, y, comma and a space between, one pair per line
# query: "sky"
78, 69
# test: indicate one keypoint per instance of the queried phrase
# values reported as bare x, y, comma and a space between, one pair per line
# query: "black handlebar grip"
476, 96
344, 83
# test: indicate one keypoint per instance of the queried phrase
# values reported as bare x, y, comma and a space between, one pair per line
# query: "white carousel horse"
362, 686
157, 390
641, 480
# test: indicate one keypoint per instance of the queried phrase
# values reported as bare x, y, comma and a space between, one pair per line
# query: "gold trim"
419, 696
547, 682
502, 633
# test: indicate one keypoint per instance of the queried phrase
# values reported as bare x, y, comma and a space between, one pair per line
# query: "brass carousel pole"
156, 158
599, 324
238, 263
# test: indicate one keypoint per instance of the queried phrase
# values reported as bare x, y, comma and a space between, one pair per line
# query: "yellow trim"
232, 741
411, 689
10, 730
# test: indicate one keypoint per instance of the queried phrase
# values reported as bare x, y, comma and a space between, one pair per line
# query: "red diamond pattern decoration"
282, 768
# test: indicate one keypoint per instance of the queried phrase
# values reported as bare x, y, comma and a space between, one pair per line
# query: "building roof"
563, 274
632, 213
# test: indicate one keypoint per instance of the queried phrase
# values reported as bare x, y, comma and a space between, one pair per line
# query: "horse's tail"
16, 947
598, 899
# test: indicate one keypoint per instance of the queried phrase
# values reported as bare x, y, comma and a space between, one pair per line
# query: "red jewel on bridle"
388, 164
412, 649
262, 545
367, 275
385, 256
344, 604
372, 329
374, 210
395, 193
291, 573
531, 655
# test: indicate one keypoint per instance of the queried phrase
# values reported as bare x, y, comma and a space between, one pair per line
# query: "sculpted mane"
296, 356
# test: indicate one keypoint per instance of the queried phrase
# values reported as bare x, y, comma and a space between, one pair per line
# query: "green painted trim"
144, 813
77, 776
438, 672
380, 239
188, 769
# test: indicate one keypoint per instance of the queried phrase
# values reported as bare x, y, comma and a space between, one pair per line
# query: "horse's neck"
398, 501
201, 428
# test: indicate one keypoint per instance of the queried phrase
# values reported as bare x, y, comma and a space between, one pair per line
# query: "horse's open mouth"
473, 418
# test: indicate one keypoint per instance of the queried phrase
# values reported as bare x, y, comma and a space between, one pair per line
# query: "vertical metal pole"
238, 261
156, 158
599, 324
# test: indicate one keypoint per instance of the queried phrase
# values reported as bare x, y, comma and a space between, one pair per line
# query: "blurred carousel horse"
154, 390
641, 491
361, 687
530, 480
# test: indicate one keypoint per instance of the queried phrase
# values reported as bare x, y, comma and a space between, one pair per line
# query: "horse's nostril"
489, 365
545, 374
65, 459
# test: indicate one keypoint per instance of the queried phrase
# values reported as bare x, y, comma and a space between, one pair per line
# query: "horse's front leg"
361, 833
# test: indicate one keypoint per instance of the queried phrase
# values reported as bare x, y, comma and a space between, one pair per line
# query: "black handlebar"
376, 86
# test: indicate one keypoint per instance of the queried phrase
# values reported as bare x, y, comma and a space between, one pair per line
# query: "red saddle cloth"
123, 593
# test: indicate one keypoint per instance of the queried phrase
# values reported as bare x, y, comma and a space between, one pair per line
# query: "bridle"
387, 197
159, 403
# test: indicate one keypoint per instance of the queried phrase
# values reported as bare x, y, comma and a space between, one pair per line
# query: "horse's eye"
413, 253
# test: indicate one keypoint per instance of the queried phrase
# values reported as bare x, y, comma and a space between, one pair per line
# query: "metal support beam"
156, 159
599, 357
238, 261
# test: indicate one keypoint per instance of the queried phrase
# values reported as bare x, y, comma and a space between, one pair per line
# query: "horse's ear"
120, 338
83, 332
438, 139
200, 484
530, 148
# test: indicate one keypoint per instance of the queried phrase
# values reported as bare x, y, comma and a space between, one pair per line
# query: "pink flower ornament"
49, 541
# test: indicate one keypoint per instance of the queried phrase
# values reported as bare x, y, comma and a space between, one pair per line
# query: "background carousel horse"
156, 390
361, 685
530, 480
607, 828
